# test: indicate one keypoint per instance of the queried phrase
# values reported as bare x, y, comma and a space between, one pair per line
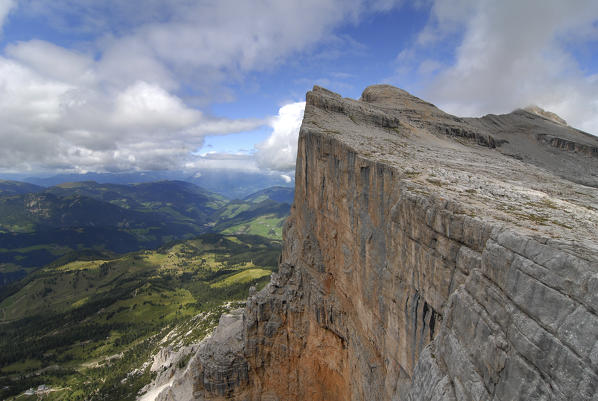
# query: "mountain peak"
533, 109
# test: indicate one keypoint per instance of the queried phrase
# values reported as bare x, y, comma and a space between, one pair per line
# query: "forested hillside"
86, 328
38, 226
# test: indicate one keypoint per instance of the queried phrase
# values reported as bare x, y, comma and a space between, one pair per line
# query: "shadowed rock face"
427, 257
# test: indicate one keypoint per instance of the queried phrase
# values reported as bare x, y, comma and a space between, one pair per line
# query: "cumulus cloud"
513, 54
287, 178
53, 62
200, 43
54, 123
118, 105
149, 106
279, 151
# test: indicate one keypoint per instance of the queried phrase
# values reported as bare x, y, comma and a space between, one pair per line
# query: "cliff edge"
427, 257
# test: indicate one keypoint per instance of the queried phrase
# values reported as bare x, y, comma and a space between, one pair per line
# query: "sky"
188, 85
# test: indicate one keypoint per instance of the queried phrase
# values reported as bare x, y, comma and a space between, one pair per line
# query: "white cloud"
116, 106
279, 151
53, 61
447, 17
204, 44
149, 106
428, 66
223, 161
516, 53
56, 125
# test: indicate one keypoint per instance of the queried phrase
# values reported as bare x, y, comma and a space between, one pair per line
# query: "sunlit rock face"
427, 257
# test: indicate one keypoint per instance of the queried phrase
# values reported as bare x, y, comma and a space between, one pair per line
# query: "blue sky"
110, 86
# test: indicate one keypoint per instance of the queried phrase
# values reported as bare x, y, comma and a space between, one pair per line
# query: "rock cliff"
427, 257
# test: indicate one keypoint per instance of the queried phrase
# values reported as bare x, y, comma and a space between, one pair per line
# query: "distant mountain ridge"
9, 187
187, 199
233, 184
277, 194
40, 226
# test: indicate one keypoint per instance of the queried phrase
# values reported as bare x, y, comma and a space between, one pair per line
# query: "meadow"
87, 328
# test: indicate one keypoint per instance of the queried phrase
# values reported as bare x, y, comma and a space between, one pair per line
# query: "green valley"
87, 329
97, 279
68, 221
261, 213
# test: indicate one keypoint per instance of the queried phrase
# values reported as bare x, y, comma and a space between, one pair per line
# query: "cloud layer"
133, 92
58, 114
128, 100
512, 54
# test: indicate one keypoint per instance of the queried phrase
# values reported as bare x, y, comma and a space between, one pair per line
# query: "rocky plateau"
427, 257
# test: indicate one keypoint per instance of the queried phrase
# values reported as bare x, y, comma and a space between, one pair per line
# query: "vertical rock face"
421, 263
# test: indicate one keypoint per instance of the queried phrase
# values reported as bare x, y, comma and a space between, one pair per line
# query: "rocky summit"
427, 257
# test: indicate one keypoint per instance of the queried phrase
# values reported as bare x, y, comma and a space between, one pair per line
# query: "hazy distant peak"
546, 114
76, 184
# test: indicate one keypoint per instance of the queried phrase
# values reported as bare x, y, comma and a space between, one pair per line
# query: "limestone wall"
400, 281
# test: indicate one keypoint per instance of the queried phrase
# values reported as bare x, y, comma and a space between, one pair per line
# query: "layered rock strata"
421, 261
